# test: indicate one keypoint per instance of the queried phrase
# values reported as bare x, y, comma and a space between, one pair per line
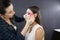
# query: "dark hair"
3, 5
35, 9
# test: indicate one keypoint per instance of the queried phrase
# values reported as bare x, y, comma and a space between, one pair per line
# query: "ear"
35, 15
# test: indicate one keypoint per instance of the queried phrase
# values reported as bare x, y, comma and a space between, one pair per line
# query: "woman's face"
29, 12
9, 12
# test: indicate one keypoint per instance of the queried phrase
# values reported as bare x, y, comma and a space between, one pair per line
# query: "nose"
13, 12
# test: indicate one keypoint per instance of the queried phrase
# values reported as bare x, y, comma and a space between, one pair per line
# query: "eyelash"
28, 13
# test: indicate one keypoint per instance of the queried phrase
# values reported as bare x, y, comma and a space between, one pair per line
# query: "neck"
32, 25
5, 18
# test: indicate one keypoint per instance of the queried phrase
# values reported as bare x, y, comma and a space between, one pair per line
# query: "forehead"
28, 10
9, 8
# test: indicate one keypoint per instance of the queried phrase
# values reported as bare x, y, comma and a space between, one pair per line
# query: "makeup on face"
30, 14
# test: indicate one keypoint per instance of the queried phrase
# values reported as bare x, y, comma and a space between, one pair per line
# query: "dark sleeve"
6, 34
20, 36
18, 19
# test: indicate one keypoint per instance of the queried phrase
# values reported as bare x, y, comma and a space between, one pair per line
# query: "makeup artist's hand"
29, 19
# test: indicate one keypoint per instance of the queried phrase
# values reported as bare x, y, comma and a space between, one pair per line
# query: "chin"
11, 17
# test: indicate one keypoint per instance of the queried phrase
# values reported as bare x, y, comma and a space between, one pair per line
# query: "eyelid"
28, 13
11, 11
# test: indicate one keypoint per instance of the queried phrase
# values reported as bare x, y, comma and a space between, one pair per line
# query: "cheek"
9, 15
31, 14
35, 15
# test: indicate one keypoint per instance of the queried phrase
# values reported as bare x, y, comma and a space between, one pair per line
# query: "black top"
7, 32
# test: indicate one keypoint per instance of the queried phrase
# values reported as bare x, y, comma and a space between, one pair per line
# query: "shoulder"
38, 26
39, 29
39, 33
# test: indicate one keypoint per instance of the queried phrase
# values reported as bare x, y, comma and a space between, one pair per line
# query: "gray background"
50, 12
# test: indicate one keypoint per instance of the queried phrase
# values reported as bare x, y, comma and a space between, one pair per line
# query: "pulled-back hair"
3, 5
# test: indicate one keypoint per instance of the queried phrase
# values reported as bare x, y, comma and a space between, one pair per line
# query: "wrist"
27, 23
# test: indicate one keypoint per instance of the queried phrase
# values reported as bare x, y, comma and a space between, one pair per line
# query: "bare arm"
39, 34
23, 32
